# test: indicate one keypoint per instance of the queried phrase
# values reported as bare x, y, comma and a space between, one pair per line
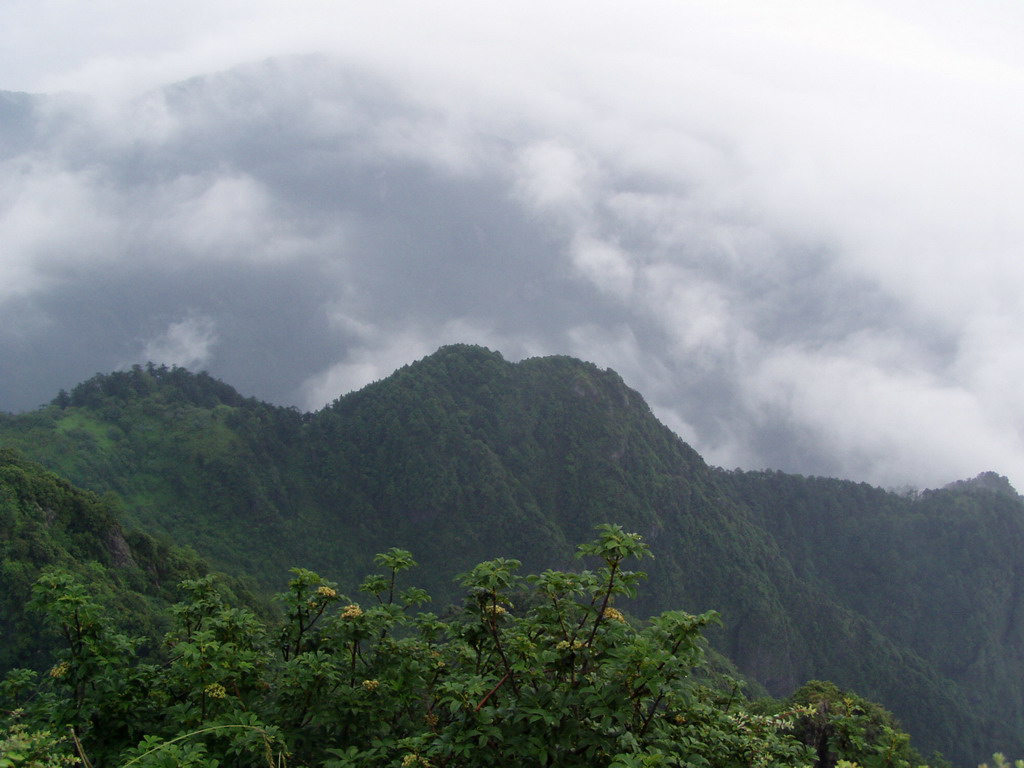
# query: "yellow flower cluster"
215, 691
59, 670
326, 591
615, 614
496, 610
371, 685
565, 645
412, 759
352, 612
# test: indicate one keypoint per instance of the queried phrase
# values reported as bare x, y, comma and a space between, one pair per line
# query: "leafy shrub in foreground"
562, 679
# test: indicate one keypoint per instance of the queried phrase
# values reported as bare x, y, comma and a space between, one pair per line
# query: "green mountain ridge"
912, 601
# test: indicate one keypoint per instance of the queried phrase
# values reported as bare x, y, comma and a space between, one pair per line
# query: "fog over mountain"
794, 229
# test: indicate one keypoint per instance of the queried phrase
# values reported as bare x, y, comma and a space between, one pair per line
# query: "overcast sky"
794, 227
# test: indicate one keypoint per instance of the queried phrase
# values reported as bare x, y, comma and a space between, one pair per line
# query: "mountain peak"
172, 383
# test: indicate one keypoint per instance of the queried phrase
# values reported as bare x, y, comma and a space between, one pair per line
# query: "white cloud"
554, 179
187, 343
218, 216
885, 424
604, 264
51, 220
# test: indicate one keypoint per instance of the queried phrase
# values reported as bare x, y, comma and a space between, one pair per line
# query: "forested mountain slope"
939, 573
463, 456
45, 522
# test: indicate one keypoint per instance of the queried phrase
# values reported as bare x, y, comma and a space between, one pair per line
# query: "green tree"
541, 670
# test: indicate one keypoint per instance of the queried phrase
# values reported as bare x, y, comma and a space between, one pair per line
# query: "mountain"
911, 600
